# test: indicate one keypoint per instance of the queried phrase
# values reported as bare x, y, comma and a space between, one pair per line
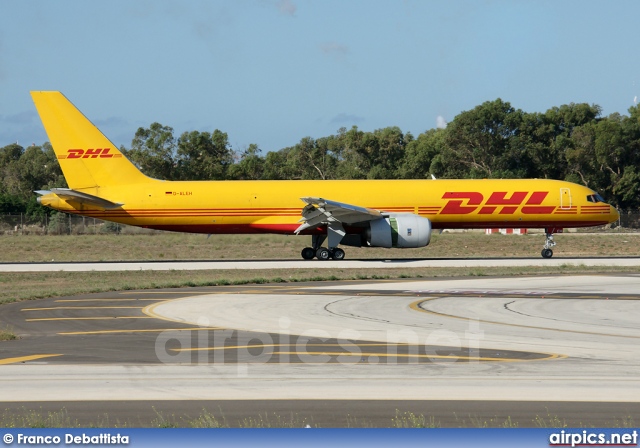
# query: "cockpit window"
595, 198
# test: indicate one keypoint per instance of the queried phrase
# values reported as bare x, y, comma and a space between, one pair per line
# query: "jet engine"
399, 230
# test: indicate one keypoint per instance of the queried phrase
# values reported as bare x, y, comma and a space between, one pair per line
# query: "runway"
513, 344
190, 265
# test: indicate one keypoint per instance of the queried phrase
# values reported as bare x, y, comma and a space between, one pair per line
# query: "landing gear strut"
335, 233
549, 243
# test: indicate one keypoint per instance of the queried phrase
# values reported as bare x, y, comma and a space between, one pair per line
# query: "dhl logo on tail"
88, 153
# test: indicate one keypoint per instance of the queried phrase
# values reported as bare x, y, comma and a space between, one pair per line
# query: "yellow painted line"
416, 307
230, 289
149, 310
24, 359
548, 356
382, 344
84, 308
175, 293
106, 300
87, 318
156, 330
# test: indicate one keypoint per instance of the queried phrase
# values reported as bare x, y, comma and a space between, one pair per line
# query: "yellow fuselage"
275, 206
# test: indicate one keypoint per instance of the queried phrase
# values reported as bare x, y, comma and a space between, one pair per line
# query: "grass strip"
37, 418
179, 246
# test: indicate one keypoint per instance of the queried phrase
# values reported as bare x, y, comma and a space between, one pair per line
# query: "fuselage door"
565, 198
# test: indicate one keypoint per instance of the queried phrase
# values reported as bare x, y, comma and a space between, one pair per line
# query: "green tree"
388, 154
483, 143
543, 146
153, 151
251, 165
22, 171
553, 137
370, 155
275, 165
420, 154
10, 179
204, 156
38, 169
605, 155
351, 154
312, 159
582, 162
10, 153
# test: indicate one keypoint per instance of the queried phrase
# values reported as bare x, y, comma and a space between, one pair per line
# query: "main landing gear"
321, 253
549, 243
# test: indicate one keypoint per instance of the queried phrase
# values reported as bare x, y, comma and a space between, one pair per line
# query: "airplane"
104, 184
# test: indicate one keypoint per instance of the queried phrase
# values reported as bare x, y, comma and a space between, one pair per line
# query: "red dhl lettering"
455, 207
464, 203
103, 153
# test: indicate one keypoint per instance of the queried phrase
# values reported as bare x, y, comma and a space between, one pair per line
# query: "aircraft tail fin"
87, 158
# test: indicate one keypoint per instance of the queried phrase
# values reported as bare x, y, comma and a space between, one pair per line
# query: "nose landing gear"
549, 242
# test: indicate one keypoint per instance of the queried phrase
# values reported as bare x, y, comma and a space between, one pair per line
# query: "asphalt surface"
113, 328
133, 354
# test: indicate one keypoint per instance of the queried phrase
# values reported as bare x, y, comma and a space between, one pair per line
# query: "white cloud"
334, 49
343, 118
441, 123
287, 7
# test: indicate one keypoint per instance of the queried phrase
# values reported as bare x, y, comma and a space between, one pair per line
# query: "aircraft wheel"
323, 253
308, 253
338, 254
547, 253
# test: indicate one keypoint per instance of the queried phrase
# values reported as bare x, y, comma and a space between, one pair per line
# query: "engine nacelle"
399, 230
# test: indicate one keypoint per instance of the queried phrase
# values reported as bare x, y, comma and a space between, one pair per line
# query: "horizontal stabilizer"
81, 198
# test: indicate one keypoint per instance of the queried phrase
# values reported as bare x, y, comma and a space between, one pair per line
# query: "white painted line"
314, 264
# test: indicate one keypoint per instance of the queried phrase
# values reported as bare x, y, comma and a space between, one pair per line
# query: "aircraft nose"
614, 215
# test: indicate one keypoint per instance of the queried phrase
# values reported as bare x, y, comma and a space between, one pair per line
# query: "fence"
65, 224
62, 224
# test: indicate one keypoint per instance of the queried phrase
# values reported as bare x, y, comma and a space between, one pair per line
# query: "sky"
272, 72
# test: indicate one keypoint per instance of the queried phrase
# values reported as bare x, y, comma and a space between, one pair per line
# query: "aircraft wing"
82, 198
323, 211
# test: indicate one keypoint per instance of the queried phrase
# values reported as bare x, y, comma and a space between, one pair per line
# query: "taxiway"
525, 341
